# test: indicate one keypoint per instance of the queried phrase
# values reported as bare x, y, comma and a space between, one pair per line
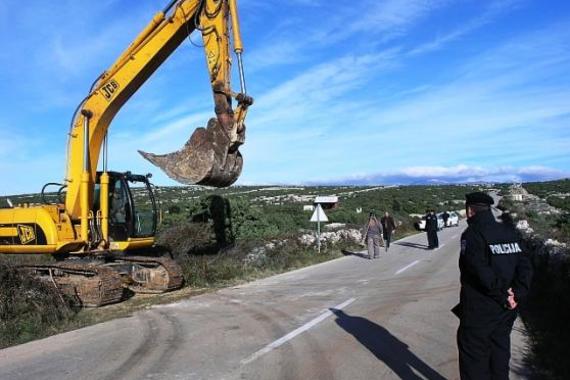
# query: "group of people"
377, 232
495, 276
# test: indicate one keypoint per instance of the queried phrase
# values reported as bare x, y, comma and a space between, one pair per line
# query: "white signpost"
319, 216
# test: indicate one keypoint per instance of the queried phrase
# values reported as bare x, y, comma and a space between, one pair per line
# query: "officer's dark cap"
478, 198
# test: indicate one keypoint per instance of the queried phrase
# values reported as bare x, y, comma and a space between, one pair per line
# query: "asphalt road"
350, 318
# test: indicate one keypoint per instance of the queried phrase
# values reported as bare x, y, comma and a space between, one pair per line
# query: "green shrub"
562, 203
187, 238
174, 209
546, 313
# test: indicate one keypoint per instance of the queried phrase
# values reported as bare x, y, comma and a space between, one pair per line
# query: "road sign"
319, 215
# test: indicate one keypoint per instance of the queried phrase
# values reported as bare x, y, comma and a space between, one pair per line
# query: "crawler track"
94, 282
89, 283
153, 274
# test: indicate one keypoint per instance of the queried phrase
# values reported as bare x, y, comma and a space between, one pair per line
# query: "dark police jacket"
431, 222
492, 260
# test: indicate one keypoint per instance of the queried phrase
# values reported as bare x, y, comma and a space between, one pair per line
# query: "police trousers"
485, 351
433, 241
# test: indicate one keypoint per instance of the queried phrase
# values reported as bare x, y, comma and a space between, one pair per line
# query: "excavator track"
88, 283
97, 283
148, 274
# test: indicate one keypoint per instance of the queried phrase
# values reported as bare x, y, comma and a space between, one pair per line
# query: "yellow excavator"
101, 229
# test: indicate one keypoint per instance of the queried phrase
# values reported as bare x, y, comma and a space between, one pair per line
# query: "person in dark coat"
389, 226
431, 230
495, 278
445, 217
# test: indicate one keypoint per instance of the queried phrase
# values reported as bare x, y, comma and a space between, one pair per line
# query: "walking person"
495, 277
431, 229
445, 217
373, 236
388, 226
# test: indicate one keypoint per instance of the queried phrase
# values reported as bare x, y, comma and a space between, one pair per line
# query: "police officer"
495, 277
445, 217
431, 229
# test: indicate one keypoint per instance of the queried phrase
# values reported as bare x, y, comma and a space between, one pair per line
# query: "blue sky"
369, 91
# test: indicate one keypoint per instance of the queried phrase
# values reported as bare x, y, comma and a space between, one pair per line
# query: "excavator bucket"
207, 158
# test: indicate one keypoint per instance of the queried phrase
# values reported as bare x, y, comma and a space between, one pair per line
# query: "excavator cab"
132, 206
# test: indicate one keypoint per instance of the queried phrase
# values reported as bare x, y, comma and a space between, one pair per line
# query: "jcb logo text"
109, 89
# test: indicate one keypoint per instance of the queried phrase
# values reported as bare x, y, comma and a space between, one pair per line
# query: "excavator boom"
210, 156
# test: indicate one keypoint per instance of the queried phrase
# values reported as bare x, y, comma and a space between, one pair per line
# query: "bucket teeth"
206, 159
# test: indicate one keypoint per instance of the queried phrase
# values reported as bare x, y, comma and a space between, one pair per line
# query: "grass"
246, 261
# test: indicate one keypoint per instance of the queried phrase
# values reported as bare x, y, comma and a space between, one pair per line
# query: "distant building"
326, 202
308, 208
517, 192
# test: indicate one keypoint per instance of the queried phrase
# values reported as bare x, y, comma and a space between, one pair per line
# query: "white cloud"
454, 174
318, 85
493, 10
442, 171
389, 19
466, 171
298, 40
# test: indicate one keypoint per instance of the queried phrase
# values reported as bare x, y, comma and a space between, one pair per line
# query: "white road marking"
440, 246
406, 267
296, 332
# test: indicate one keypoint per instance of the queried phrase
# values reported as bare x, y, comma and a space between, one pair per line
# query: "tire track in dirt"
161, 336
272, 329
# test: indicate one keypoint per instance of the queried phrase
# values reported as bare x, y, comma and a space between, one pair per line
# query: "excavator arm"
211, 156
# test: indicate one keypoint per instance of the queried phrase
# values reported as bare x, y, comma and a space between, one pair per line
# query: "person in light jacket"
373, 236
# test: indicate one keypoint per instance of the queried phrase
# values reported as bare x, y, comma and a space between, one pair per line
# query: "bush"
246, 261
188, 238
562, 203
29, 308
563, 224
546, 313
174, 209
